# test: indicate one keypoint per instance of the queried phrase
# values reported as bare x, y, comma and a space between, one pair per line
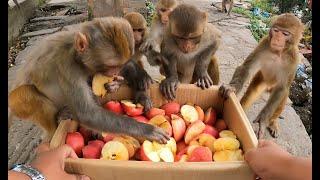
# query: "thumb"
77, 177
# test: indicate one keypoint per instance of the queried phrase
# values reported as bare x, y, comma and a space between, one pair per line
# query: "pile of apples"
196, 136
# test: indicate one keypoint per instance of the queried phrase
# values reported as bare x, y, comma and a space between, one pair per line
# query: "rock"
41, 32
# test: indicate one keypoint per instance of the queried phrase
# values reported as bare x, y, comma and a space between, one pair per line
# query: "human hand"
51, 163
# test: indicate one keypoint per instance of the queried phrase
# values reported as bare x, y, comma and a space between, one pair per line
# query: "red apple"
141, 119
97, 143
200, 154
178, 127
180, 154
132, 109
86, 133
171, 108
113, 106
91, 151
181, 145
194, 130
221, 125
107, 136
200, 112
76, 141
154, 112
210, 116
211, 130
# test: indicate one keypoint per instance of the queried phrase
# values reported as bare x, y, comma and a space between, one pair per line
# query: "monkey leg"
26, 102
273, 126
256, 87
213, 70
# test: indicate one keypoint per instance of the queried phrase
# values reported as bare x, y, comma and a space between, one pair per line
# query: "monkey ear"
81, 42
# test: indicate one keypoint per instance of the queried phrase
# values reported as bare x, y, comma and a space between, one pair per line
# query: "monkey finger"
207, 82
173, 91
203, 85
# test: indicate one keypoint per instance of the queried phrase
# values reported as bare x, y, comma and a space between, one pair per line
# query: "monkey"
56, 75
135, 70
187, 50
151, 46
224, 6
273, 64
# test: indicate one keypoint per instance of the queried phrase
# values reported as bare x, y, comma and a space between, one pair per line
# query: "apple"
137, 155
227, 133
161, 122
181, 145
154, 112
228, 155
97, 143
204, 140
91, 151
189, 114
113, 106
171, 108
194, 130
200, 112
98, 82
178, 127
183, 158
86, 133
226, 143
141, 119
132, 109
153, 151
107, 136
171, 144
148, 153
210, 116
200, 154
166, 155
180, 154
221, 125
128, 144
211, 130
114, 150
76, 141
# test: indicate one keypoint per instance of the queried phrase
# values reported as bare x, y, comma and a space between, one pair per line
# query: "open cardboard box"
232, 112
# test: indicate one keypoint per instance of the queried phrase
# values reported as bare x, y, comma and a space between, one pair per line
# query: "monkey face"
164, 15
138, 36
279, 38
187, 44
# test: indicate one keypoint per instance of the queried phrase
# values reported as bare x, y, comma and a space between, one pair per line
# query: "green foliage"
289, 5
264, 5
150, 11
41, 2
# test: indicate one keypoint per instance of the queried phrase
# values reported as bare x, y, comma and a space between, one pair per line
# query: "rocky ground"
237, 43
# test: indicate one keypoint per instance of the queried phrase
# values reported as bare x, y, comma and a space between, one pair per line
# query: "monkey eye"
163, 10
140, 30
276, 29
285, 33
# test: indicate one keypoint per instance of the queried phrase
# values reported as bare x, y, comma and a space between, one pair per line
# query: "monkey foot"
274, 131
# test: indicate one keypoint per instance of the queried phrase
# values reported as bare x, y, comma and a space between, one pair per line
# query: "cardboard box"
232, 112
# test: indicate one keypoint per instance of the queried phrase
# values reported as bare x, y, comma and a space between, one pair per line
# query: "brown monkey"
274, 62
151, 46
188, 50
224, 6
57, 72
135, 70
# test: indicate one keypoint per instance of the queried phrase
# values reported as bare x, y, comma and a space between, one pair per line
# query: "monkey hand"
204, 80
225, 90
154, 133
144, 80
168, 87
114, 85
142, 98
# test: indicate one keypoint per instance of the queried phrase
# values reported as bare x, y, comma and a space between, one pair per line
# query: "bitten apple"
131, 109
210, 116
76, 141
194, 130
178, 127
154, 112
114, 106
171, 108
161, 122
114, 150
189, 114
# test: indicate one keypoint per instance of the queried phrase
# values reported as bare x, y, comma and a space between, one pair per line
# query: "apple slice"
76, 141
205, 140
113, 106
178, 127
148, 152
191, 148
166, 155
114, 150
127, 143
181, 145
226, 143
200, 154
221, 125
98, 82
141, 119
210, 116
180, 154
200, 112
171, 108
171, 144
194, 130
189, 114
211, 130
161, 122
228, 155
154, 112
227, 133
132, 109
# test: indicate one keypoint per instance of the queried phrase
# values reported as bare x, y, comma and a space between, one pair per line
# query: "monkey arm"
244, 71
169, 86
